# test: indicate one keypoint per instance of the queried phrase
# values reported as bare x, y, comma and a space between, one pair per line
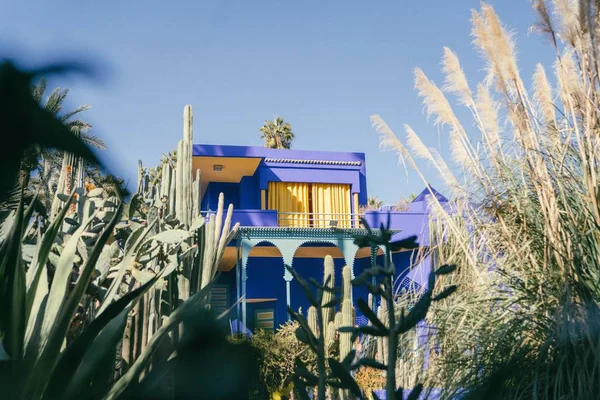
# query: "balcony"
411, 223
272, 218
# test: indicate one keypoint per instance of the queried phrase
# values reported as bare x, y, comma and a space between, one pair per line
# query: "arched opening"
265, 287
308, 262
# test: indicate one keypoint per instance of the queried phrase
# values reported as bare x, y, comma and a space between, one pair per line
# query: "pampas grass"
524, 228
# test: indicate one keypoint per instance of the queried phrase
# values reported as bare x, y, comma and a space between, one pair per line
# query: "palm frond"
55, 100
93, 141
67, 116
39, 90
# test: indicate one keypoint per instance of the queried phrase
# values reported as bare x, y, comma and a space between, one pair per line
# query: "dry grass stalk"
524, 231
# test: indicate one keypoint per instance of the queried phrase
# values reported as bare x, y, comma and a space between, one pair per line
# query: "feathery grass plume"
434, 100
567, 15
485, 44
487, 110
437, 104
526, 241
542, 95
420, 150
449, 179
389, 141
569, 79
503, 42
544, 24
456, 81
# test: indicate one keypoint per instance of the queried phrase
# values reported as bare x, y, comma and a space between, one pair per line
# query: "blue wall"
249, 193
231, 191
265, 280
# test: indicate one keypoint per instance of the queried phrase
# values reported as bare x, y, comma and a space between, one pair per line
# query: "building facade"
295, 207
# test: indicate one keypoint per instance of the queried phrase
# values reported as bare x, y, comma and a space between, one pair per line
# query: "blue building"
295, 207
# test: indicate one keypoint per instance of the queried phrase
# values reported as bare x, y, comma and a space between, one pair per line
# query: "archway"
265, 287
308, 262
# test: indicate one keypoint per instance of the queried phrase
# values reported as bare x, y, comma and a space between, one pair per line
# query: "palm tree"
45, 164
373, 204
277, 134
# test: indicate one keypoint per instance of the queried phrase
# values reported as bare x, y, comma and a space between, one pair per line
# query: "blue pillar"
244, 277
287, 276
238, 277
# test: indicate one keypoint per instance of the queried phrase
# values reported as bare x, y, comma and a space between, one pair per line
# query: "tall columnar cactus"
217, 235
338, 320
382, 342
187, 177
328, 281
196, 201
179, 182
346, 337
313, 322
347, 283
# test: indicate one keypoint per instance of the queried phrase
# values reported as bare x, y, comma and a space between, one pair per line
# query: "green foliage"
277, 134
390, 326
29, 125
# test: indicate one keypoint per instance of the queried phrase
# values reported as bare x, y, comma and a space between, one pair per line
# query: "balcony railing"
273, 218
318, 220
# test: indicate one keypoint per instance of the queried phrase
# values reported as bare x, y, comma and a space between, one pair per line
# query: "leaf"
3, 354
71, 221
304, 285
134, 205
63, 197
366, 329
445, 269
416, 314
12, 290
187, 309
57, 335
71, 358
300, 389
445, 293
97, 192
97, 360
349, 358
369, 362
142, 276
340, 372
311, 339
197, 224
336, 301
303, 372
171, 237
416, 392
58, 289
403, 244
367, 312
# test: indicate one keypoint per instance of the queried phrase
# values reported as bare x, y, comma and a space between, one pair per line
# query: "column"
374, 280
287, 276
355, 206
263, 199
238, 274
244, 277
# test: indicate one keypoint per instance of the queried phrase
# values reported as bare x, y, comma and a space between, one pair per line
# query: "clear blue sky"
324, 66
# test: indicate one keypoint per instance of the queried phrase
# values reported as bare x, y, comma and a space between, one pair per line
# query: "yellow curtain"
291, 200
331, 202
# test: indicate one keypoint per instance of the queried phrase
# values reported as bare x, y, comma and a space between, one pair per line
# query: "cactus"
338, 320
328, 281
347, 283
346, 337
330, 334
313, 322
382, 342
